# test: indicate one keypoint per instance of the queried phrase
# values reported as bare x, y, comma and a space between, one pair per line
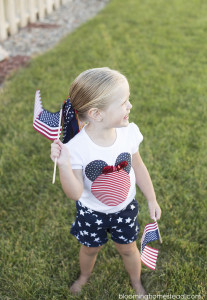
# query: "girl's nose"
129, 106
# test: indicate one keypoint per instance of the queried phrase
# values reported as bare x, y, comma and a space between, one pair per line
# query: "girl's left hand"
154, 210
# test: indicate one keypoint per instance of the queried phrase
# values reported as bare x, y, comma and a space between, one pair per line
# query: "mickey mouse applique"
111, 184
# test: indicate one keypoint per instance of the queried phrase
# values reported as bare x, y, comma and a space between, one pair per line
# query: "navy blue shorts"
91, 227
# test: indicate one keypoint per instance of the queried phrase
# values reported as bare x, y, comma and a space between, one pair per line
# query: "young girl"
99, 168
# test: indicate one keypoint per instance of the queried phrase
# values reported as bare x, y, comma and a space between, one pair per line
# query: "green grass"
161, 47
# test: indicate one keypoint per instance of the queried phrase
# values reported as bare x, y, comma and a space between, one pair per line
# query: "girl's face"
117, 113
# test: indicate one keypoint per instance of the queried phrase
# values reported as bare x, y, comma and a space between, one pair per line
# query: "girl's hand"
59, 150
154, 210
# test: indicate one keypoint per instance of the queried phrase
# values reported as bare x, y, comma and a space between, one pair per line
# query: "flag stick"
55, 163
160, 238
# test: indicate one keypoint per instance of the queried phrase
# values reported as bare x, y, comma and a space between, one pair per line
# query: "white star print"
96, 240
119, 230
85, 232
122, 237
119, 219
99, 222
132, 206
128, 220
81, 212
131, 225
79, 223
88, 224
93, 234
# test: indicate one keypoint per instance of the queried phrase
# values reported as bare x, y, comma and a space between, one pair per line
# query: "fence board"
18, 13
23, 11
41, 9
3, 24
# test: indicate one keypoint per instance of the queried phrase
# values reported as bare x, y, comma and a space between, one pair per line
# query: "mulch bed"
8, 66
42, 25
12, 64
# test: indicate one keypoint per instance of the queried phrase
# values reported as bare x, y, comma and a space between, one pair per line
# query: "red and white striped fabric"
149, 257
111, 188
45, 122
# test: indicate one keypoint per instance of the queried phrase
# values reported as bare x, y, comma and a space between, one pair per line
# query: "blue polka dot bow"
70, 122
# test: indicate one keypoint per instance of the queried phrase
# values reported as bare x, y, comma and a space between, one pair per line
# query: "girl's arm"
71, 180
144, 182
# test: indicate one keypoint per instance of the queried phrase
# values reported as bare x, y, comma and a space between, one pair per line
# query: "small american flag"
45, 122
148, 254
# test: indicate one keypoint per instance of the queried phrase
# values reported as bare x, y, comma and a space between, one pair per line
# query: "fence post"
41, 9
49, 4
10, 9
15, 13
3, 23
32, 11
23, 13
57, 4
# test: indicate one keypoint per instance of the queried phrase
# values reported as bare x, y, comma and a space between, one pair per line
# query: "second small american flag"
148, 254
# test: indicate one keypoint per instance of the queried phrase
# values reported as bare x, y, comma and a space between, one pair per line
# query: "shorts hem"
88, 244
125, 243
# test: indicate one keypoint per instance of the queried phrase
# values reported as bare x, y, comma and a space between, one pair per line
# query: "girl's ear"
95, 114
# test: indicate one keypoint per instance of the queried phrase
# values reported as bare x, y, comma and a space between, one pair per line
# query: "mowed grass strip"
161, 47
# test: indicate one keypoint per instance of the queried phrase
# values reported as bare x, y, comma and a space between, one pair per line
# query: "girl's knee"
126, 249
91, 250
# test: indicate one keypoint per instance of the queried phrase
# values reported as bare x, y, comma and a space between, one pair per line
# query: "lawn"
161, 47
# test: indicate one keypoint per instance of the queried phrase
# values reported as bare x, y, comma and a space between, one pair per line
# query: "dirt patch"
12, 64
42, 25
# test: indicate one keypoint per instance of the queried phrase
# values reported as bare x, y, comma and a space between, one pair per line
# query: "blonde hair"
92, 89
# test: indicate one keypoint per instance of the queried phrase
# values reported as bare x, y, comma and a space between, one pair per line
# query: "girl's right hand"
59, 150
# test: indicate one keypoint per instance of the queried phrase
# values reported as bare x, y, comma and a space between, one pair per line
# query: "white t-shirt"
106, 192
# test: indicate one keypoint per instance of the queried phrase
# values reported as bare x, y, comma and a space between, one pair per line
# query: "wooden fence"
15, 14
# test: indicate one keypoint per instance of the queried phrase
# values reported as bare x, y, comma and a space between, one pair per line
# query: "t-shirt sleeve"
76, 159
136, 137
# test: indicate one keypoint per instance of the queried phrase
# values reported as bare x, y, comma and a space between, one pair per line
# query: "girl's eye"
125, 101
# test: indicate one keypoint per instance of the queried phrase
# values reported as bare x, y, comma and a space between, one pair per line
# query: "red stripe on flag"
149, 257
46, 130
152, 249
148, 265
45, 126
50, 134
46, 135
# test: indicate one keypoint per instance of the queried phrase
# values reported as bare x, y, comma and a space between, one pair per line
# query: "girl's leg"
131, 257
87, 258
